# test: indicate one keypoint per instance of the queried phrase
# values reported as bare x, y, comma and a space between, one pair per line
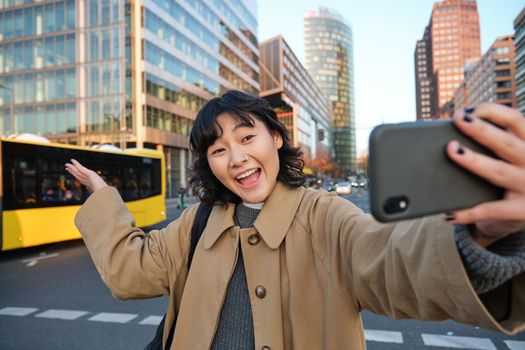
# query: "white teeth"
246, 174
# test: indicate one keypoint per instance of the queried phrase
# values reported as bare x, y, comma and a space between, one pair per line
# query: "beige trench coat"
319, 259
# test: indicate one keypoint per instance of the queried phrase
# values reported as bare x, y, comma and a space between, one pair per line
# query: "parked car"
343, 187
328, 186
360, 183
363, 183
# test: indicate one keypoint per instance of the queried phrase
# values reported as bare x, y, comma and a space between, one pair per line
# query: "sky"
385, 33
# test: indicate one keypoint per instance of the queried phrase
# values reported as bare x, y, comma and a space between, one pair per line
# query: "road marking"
447, 341
431, 340
383, 336
515, 344
151, 320
33, 261
17, 311
62, 314
112, 317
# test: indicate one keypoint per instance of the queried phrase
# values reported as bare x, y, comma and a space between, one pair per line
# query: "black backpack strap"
156, 342
201, 219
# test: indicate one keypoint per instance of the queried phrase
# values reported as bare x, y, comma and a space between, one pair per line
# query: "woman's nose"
238, 159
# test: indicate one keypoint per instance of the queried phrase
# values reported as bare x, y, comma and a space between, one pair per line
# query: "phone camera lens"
395, 205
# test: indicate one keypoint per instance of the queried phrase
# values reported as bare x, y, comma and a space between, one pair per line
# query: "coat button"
260, 291
254, 239
265, 348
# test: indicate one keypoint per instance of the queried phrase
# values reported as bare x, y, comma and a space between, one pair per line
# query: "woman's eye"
247, 138
217, 151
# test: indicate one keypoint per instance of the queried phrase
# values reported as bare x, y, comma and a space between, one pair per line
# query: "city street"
52, 297
170, 98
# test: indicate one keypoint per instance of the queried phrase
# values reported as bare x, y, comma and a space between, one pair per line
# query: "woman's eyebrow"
241, 125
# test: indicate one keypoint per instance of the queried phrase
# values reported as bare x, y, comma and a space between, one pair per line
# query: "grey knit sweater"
235, 329
490, 267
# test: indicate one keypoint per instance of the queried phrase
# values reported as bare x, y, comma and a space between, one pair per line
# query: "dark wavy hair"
206, 130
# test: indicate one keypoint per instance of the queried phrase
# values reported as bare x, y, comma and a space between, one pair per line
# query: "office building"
424, 73
519, 44
329, 61
132, 74
454, 39
491, 78
298, 101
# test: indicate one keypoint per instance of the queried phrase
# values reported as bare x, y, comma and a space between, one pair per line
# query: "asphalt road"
51, 297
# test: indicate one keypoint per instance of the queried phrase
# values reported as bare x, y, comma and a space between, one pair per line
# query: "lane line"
515, 344
112, 317
62, 314
33, 261
452, 341
383, 336
151, 320
17, 311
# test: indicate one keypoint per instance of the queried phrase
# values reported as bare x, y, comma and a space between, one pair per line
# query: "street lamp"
11, 107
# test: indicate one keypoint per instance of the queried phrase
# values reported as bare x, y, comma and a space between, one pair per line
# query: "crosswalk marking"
383, 336
448, 341
515, 344
371, 335
17, 311
151, 320
112, 317
62, 314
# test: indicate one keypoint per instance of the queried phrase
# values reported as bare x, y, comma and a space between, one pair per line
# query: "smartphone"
410, 174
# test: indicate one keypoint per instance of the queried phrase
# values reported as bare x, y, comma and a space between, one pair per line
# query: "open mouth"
249, 177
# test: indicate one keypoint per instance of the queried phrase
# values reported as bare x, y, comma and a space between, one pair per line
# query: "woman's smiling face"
245, 158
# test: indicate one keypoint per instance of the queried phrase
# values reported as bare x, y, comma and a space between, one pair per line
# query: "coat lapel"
278, 213
273, 221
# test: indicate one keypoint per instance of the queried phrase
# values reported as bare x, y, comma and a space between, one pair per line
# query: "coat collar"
272, 223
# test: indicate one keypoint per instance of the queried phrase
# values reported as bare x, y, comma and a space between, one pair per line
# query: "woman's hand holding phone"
496, 219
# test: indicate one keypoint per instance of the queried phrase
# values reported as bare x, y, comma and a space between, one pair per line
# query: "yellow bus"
39, 199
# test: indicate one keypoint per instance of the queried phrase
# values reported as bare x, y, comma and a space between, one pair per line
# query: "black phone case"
410, 174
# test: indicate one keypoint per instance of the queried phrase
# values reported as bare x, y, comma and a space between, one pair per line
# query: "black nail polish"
469, 110
460, 150
450, 216
467, 118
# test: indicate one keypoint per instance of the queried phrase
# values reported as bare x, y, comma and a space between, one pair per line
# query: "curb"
188, 200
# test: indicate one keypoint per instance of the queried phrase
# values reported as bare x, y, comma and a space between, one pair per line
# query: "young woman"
280, 266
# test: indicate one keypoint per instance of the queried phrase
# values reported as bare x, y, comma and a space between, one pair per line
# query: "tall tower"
519, 43
454, 28
424, 73
329, 60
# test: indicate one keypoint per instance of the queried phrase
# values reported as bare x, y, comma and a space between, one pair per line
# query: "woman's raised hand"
497, 219
87, 177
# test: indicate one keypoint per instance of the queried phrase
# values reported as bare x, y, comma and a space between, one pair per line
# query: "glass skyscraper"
38, 74
329, 61
132, 74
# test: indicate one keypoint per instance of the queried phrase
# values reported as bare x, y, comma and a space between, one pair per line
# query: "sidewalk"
173, 202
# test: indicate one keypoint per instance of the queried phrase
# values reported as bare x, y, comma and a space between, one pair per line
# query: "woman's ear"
278, 139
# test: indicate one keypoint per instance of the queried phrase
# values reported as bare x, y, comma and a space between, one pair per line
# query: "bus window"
145, 182
49, 190
34, 175
56, 188
23, 182
131, 187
